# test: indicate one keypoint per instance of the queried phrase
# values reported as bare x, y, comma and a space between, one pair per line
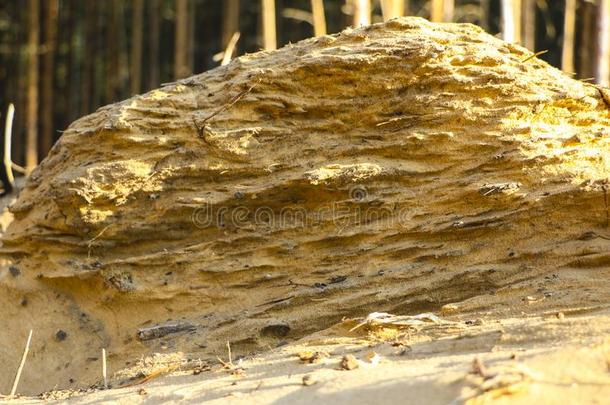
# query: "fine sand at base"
547, 359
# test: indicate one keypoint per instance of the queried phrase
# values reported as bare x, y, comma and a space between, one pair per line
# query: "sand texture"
404, 167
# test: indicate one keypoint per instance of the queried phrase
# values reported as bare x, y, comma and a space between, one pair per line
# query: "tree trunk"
180, 40
89, 57
121, 85
319, 19
136, 46
587, 43
72, 85
362, 12
22, 67
517, 20
528, 26
569, 26
436, 10
269, 34
50, 41
602, 71
484, 22
31, 155
507, 13
449, 10
154, 12
112, 52
100, 64
442, 10
190, 37
392, 9
230, 21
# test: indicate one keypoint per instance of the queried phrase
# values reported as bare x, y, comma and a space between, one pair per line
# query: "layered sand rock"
397, 167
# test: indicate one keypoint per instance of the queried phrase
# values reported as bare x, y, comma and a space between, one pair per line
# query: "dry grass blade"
228, 54
20, 369
104, 369
200, 126
228, 364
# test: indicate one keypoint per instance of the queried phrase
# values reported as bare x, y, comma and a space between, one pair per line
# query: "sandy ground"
550, 359
437, 170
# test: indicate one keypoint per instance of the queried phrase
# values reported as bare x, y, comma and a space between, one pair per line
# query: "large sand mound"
398, 167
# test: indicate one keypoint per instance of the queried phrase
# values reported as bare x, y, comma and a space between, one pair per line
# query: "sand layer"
404, 167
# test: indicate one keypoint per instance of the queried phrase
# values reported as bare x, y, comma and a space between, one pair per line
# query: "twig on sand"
228, 364
90, 243
534, 55
20, 369
200, 126
605, 95
151, 376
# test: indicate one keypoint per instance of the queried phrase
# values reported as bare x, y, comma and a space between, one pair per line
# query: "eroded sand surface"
405, 167
546, 359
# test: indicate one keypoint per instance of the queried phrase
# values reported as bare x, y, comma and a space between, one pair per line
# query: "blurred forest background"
61, 59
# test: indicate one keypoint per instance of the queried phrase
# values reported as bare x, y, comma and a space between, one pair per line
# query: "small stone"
560, 316
162, 330
530, 300
61, 335
14, 270
349, 362
372, 358
308, 380
306, 355
312, 357
142, 391
474, 322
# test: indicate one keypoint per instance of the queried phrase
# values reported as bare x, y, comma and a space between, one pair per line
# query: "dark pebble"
61, 335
